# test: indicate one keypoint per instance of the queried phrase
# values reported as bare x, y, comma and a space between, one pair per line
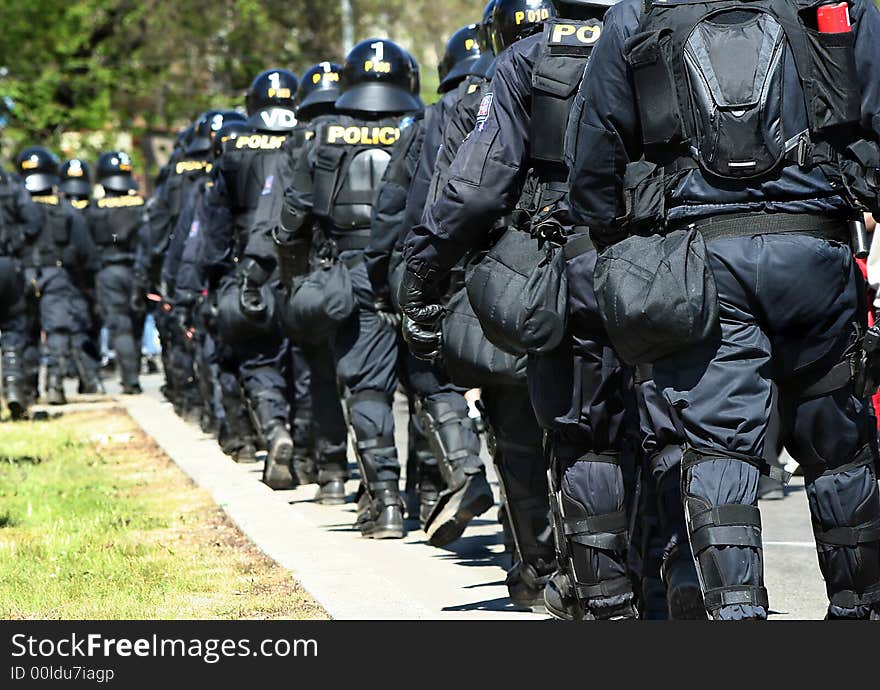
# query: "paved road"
361, 579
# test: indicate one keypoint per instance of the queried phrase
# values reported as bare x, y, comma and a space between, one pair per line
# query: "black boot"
380, 511
526, 582
277, 473
455, 508
429, 488
332, 474
55, 390
304, 463
456, 447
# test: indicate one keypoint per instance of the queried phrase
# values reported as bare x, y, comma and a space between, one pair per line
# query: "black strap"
607, 532
744, 595
847, 536
380, 443
849, 599
753, 224
355, 240
727, 515
841, 375
695, 456
606, 588
864, 458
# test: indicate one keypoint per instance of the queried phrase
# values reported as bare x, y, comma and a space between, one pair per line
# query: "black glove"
250, 298
422, 317
386, 313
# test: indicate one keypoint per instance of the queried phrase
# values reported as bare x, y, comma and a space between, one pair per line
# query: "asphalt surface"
354, 578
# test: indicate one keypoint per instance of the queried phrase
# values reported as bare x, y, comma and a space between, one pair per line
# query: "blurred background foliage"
86, 75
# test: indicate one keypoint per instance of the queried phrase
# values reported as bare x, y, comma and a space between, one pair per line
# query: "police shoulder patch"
267, 188
572, 34
484, 111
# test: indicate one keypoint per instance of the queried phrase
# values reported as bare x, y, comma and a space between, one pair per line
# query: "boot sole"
451, 529
277, 474
386, 534
247, 460
331, 501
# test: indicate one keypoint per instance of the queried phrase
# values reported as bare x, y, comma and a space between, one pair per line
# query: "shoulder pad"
120, 201
47, 200
562, 33
260, 142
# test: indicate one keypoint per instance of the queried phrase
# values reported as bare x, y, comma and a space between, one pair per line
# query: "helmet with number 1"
461, 55
318, 90
271, 101
378, 77
513, 20
76, 179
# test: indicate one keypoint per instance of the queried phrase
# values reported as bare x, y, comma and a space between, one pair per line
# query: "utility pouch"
470, 360
657, 295
319, 303
644, 193
518, 293
648, 55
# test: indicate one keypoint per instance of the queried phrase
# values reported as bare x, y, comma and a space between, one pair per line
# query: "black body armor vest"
114, 222
351, 158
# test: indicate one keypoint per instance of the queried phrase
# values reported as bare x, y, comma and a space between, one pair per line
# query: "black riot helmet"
318, 90
462, 54
115, 172
227, 134
198, 140
416, 89
516, 19
76, 178
484, 36
378, 77
39, 168
583, 9
271, 101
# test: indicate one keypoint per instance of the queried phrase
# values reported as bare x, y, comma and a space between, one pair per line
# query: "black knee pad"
720, 491
449, 430
845, 509
589, 507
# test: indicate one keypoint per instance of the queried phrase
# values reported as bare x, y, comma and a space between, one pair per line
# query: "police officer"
115, 221
76, 186
189, 170
577, 392
336, 186
769, 202
324, 434
401, 197
20, 220
204, 263
55, 259
244, 172
76, 183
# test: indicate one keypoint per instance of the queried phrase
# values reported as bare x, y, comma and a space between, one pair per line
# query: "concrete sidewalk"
355, 578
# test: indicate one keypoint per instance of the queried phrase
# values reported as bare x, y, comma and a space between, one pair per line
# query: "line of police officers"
309, 257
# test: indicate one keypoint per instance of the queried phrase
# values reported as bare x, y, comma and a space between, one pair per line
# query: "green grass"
95, 522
